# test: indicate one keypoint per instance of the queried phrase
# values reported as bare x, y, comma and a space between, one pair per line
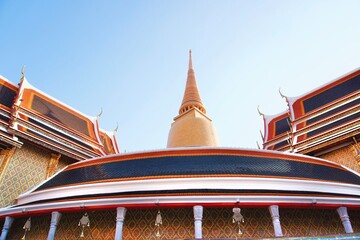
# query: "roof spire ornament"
260, 113
23, 71
117, 127
282, 95
99, 115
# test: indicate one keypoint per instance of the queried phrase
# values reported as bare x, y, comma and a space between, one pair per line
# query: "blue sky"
130, 58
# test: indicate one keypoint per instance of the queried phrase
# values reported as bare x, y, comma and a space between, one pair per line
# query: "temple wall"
217, 222
345, 156
178, 223
310, 222
39, 228
355, 220
102, 226
25, 169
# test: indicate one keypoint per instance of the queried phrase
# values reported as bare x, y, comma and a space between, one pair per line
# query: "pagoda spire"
191, 97
190, 60
192, 127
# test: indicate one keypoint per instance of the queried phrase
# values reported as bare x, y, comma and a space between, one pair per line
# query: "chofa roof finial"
260, 113
117, 127
23, 70
99, 115
282, 95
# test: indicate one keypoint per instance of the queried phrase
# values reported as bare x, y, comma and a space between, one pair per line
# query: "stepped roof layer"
188, 176
317, 120
28, 113
277, 128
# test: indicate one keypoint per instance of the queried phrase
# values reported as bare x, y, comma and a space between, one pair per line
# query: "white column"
198, 215
120, 217
274, 212
6, 227
342, 211
55, 219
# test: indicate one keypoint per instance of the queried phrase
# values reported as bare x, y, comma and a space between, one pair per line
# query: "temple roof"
8, 93
319, 119
30, 114
194, 175
277, 129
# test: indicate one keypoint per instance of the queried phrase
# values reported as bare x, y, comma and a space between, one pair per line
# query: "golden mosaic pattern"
2, 156
217, 223
310, 222
39, 228
139, 224
102, 226
25, 169
63, 162
345, 156
52, 164
5, 154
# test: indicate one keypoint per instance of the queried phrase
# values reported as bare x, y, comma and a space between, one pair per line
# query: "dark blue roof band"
192, 166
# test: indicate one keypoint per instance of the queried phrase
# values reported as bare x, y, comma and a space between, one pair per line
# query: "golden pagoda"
192, 127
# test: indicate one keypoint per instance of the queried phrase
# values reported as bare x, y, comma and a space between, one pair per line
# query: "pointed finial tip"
117, 127
99, 115
260, 113
281, 94
190, 60
23, 70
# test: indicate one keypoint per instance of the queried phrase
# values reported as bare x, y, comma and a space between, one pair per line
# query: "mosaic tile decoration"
102, 226
25, 169
63, 162
5, 156
355, 220
52, 164
178, 223
310, 222
345, 156
2, 156
217, 223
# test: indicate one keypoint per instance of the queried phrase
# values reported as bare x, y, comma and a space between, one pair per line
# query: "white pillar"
198, 215
342, 211
6, 227
55, 219
274, 212
120, 217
